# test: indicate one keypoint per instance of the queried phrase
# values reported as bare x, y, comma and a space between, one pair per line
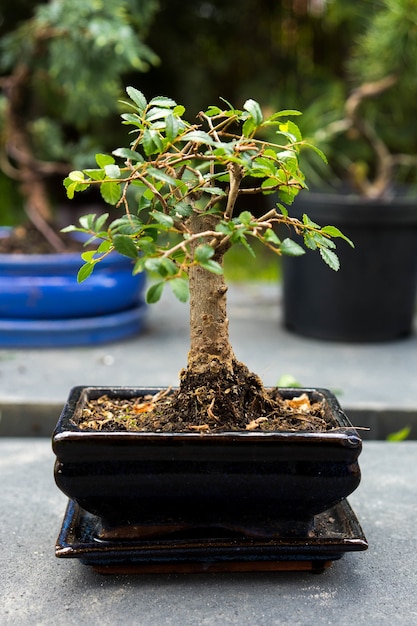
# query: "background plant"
370, 134
62, 72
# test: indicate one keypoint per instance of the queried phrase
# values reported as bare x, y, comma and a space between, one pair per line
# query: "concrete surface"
371, 380
376, 587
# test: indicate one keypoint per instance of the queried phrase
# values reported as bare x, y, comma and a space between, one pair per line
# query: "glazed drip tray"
207, 550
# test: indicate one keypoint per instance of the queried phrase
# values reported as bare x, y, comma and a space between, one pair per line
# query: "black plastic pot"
372, 297
257, 483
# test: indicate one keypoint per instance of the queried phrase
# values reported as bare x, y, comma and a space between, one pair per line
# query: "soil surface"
28, 240
227, 402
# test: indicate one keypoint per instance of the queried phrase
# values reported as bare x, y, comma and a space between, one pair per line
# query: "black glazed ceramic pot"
257, 483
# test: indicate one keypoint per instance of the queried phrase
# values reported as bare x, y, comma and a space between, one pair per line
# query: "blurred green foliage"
241, 266
300, 53
74, 56
282, 52
305, 54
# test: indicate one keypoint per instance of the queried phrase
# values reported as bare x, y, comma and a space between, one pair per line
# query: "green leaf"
310, 240
335, 232
170, 268
157, 113
162, 176
124, 245
139, 266
400, 435
110, 192
226, 227
179, 110
267, 166
101, 220
125, 153
73, 187
95, 174
77, 176
240, 237
291, 131
213, 110
85, 271
231, 107
161, 218
126, 225
180, 289
248, 127
330, 258
112, 170
81, 187
323, 241
88, 256
162, 101
137, 97
154, 292
288, 380
245, 218
70, 229
284, 113
199, 136
163, 266
214, 191
269, 182
87, 221
316, 150
152, 142
291, 248
271, 237
104, 159
104, 246
182, 208
129, 118
282, 208
212, 266
153, 265
255, 111
203, 253
172, 127
308, 222
287, 194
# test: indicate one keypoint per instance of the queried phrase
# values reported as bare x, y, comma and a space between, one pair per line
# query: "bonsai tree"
52, 106
373, 143
178, 184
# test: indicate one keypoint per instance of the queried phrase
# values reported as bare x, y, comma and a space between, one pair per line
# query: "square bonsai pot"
260, 484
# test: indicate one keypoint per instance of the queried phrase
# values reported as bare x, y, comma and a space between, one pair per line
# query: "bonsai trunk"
216, 391
209, 327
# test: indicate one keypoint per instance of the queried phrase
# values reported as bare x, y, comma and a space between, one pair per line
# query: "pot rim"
58, 260
65, 431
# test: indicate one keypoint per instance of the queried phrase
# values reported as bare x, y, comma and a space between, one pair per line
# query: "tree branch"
236, 175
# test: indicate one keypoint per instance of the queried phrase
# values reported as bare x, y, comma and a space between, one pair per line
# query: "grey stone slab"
365, 376
374, 588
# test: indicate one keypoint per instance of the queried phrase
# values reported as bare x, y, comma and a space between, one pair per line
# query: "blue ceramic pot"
41, 302
261, 484
44, 286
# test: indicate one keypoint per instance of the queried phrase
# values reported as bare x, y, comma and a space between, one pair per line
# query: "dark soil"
227, 402
28, 240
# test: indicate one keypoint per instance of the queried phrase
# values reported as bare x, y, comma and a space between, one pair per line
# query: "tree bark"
210, 347
28, 170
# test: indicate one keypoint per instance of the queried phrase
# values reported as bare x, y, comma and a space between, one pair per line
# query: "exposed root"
226, 401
